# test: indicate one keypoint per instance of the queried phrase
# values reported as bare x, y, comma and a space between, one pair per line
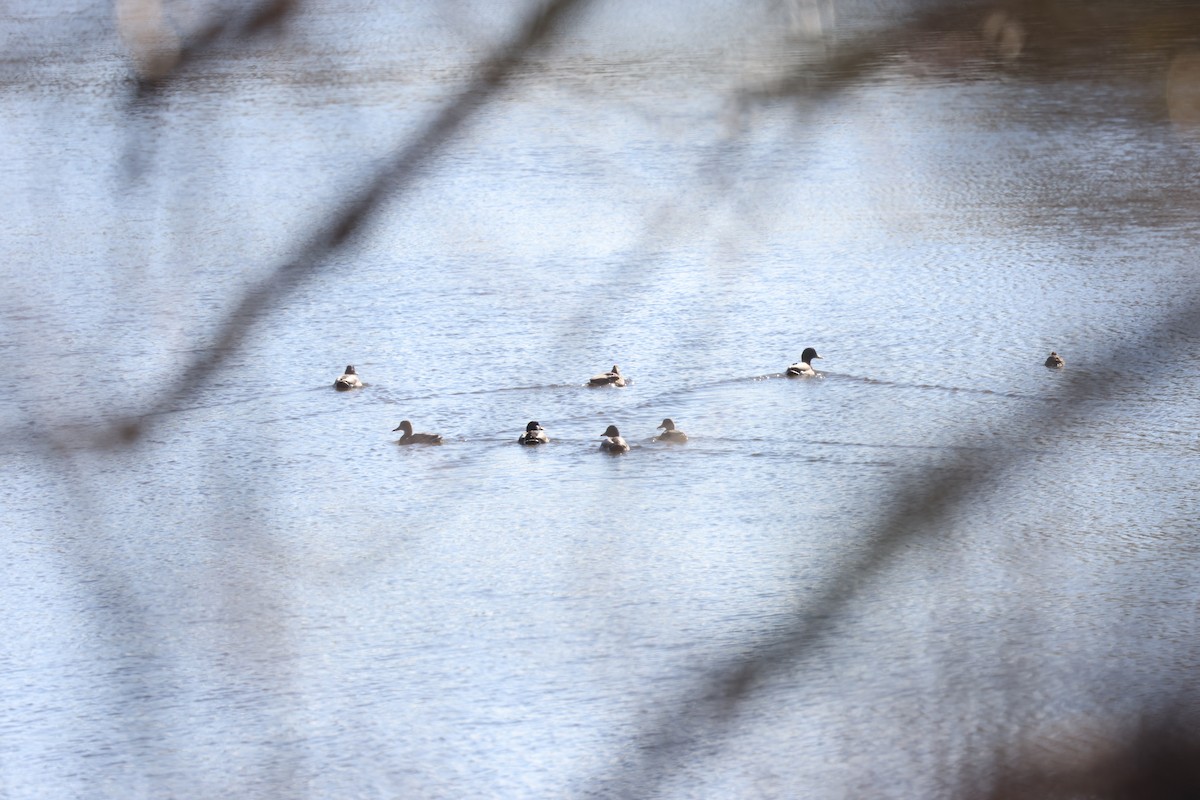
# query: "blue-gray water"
266, 597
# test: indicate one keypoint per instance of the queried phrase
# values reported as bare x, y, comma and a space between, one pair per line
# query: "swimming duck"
613, 443
415, 438
803, 368
1055, 361
534, 434
613, 378
348, 380
669, 433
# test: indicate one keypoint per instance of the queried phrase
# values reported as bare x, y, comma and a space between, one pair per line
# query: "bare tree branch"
161, 59
311, 255
919, 505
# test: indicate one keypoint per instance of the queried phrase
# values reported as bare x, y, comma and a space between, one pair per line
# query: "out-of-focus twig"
919, 505
1159, 761
161, 55
847, 63
344, 222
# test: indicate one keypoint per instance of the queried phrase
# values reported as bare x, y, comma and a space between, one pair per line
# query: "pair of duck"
350, 380
801, 369
535, 434
804, 368
613, 442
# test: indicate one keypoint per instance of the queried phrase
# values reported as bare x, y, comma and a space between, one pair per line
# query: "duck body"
534, 434
348, 380
614, 378
804, 368
670, 434
613, 443
1055, 361
409, 437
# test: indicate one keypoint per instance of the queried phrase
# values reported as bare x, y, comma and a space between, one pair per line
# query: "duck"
803, 368
1055, 361
415, 438
614, 378
534, 434
348, 380
613, 443
669, 433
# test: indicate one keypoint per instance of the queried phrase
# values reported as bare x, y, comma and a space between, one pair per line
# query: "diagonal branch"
920, 504
311, 255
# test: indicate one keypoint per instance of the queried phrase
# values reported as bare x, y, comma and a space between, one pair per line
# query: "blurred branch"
1161, 761
341, 226
919, 504
161, 57
849, 63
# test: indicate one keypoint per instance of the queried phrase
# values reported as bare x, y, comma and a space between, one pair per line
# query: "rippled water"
266, 597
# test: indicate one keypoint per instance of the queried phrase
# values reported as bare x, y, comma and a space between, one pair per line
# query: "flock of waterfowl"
611, 439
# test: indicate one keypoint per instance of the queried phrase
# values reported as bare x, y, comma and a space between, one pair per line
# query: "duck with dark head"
670, 433
534, 434
613, 443
804, 368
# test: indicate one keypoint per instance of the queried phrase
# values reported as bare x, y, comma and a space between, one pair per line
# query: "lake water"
264, 596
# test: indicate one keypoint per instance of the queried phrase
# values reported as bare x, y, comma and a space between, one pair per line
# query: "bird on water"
613, 378
613, 443
534, 434
670, 433
804, 368
415, 438
348, 380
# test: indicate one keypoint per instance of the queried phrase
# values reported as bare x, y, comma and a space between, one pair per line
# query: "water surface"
265, 596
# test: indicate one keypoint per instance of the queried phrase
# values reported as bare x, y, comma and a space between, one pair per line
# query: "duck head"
668, 424
808, 355
610, 432
350, 369
533, 426
405, 426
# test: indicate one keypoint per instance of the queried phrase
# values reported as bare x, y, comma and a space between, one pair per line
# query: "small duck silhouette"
670, 434
613, 443
1055, 361
614, 378
534, 434
415, 438
803, 368
348, 380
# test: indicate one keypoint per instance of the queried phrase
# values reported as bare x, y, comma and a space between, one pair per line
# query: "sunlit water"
266, 597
